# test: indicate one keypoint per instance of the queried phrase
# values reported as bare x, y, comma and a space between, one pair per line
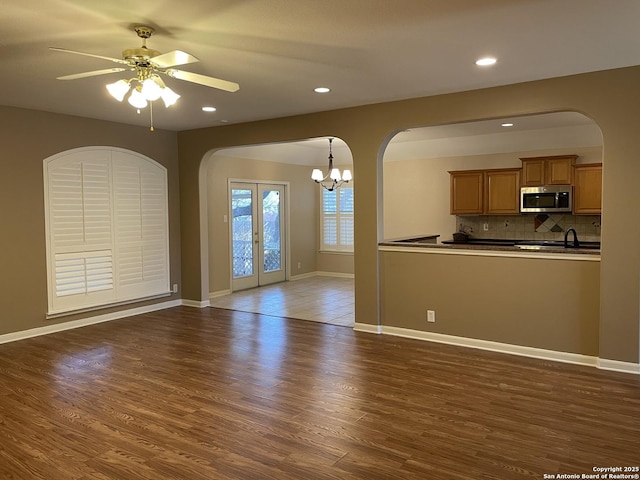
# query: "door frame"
285, 217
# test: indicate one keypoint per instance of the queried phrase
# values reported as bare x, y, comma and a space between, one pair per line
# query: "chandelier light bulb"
346, 175
317, 175
118, 89
335, 175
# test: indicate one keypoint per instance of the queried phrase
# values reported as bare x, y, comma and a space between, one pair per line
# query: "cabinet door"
559, 171
587, 191
466, 192
533, 173
552, 170
502, 192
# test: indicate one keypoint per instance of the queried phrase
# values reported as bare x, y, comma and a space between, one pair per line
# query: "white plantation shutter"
337, 219
141, 220
107, 228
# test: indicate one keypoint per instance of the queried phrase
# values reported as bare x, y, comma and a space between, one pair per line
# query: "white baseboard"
219, 293
520, 350
335, 274
367, 328
617, 366
196, 303
60, 327
302, 276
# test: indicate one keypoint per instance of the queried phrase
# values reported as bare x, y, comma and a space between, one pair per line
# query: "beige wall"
339, 263
303, 208
610, 98
506, 300
27, 138
423, 184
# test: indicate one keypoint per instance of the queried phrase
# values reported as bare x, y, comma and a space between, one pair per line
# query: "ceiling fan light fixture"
152, 88
136, 99
147, 85
118, 89
169, 97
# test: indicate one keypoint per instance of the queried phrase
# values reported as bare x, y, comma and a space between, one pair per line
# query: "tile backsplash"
532, 227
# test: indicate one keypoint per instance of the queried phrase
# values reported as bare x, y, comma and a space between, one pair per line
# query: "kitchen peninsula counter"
517, 248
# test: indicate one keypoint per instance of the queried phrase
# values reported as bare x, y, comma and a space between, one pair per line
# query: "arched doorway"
326, 273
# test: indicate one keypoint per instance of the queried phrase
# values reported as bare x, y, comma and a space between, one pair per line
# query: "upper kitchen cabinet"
553, 170
489, 192
467, 189
587, 189
502, 192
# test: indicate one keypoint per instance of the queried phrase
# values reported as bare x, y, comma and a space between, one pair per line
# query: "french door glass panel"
257, 232
242, 222
271, 230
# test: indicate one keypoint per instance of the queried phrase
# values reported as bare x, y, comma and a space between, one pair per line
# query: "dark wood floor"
193, 393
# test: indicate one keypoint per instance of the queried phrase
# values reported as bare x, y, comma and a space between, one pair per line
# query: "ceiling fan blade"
171, 59
64, 50
75, 76
203, 80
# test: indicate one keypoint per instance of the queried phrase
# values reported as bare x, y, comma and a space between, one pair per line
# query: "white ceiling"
367, 51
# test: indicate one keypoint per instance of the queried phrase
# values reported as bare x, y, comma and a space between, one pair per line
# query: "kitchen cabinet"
489, 192
587, 189
552, 170
467, 190
502, 192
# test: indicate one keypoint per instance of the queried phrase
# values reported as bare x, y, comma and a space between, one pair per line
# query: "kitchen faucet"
576, 243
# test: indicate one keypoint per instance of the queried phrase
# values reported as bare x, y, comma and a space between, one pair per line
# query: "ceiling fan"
147, 64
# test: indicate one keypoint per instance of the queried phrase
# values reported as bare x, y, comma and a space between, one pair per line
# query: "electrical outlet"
431, 316
175, 288
299, 265
485, 227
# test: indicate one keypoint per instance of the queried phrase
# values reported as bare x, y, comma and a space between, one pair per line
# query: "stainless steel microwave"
548, 199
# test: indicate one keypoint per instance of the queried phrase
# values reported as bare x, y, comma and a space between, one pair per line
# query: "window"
336, 219
107, 228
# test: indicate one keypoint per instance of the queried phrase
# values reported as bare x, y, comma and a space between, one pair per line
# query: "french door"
257, 234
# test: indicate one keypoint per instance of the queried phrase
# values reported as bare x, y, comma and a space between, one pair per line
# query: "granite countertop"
414, 239
504, 245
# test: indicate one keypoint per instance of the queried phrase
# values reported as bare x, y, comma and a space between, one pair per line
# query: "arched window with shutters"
107, 229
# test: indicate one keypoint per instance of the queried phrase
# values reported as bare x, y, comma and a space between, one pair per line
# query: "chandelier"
333, 179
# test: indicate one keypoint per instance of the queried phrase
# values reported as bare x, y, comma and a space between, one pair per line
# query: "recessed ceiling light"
322, 90
507, 124
208, 109
486, 61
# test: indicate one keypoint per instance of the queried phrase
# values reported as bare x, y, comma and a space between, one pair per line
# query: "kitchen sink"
548, 244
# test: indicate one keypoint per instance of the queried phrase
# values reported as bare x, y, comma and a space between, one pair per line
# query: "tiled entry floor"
319, 298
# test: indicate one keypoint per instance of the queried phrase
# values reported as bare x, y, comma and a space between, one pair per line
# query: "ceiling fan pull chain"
151, 115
